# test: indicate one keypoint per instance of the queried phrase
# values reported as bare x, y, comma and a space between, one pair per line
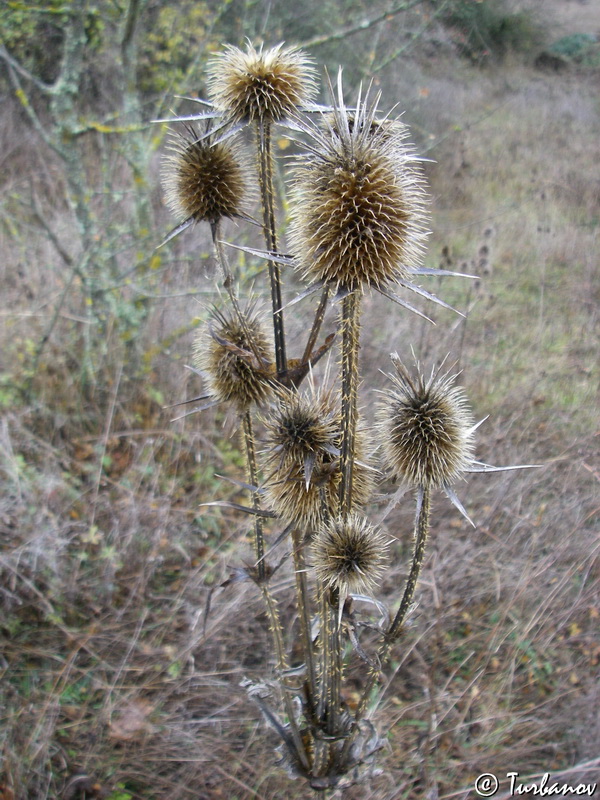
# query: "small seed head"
301, 426
204, 181
237, 362
302, 459
260, 85
359, 211
426, 429
349, 555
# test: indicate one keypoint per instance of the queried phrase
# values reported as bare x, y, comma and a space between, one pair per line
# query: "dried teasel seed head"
426, 429
236, 358
300, 426
303, 435
349, 554
204, 181
359, 212
264, 85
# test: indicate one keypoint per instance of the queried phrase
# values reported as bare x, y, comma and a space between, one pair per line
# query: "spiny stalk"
421, 536
304, 615
316, 326
250, 447
265, 179
421, 533
349, 391
272, 610
282, 666
229, 286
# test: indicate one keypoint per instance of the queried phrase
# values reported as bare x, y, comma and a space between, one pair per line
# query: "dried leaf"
131, 721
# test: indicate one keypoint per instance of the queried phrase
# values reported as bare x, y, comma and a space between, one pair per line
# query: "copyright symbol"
486, 785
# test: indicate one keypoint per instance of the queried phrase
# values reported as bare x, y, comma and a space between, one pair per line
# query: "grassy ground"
121, 654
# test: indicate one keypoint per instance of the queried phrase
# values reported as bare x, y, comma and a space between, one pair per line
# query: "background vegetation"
117, 682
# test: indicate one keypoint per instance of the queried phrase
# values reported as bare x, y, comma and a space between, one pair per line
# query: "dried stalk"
421, 533
316, 326
350, 325
229, 285
302, 598
262, 580
250, 447
265, 179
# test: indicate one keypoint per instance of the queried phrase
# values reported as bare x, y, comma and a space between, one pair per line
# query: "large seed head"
349, 555
358, 216
204, 181
426, 429
237, 362
264, 85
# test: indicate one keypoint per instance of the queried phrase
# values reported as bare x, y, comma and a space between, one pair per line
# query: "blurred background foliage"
111, 666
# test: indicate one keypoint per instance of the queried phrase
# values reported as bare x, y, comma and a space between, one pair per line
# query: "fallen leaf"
131, 721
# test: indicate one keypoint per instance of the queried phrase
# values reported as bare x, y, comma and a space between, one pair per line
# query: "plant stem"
229, 285
272, 610
250, 445
350, 325
331, 675
304, 615
331, 678
421, 533
265, 179
282, 666
316, 326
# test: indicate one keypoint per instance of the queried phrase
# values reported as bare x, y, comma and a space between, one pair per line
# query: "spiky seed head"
236, 359
359, 212
303, 436
305, 506
349, 554
303, 425
204, 181
426, 429
264, 85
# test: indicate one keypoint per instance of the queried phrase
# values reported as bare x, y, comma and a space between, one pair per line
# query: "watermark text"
487, 785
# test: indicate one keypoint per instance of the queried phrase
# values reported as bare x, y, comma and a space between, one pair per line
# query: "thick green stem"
304, 615
350, 345
265, 178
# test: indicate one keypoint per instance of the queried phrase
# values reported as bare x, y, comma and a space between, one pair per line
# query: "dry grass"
111, 666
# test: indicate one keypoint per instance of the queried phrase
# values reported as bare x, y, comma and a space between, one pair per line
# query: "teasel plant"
358, 223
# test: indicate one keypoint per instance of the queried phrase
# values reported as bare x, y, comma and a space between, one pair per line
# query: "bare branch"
363, 25
24, 73
23, 99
